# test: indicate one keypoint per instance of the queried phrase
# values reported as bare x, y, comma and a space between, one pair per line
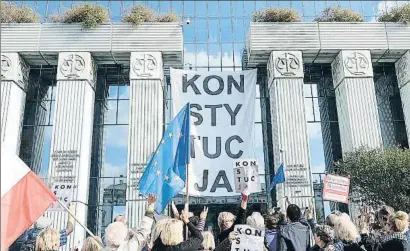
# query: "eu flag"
165, 174
279, 177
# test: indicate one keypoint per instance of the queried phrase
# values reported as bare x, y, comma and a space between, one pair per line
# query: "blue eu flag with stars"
165, 174
279, 177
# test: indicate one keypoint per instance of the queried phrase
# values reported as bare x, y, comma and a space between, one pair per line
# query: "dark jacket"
240, 219
394, 242
347, 246
225, 245
192, 244
294, 236
394, 245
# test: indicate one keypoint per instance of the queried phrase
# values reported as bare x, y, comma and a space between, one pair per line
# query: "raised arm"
194, 242
202, 219
140, 236
241, 215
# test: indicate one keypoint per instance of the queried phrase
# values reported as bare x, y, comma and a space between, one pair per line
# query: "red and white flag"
24, 197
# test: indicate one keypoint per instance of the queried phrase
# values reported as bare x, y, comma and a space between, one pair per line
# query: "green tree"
379, 176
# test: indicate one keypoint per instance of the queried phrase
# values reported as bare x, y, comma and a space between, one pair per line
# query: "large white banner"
222, 115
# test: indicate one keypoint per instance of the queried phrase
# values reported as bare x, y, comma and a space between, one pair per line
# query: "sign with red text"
246, 176
336, 188
64, 193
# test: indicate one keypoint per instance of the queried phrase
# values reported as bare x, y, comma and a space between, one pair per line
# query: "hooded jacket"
294, 236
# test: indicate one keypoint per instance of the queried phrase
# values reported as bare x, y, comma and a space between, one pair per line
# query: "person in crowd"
346, 236
256, 220
208, 244
396, 239
372, 234
199, 223
120, 218
271, 232
383, 216
116, 234
227, 221
48, 240
157, 229
408, 233
92, 244
171, 237
323, 236
294, 235
42, 223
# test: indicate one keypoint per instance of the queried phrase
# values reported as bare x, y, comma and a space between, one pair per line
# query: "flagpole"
75, 218
283, 156
187, 197
187, 168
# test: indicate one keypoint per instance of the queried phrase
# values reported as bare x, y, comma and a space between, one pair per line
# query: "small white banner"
248, 239
64, 193
246, 176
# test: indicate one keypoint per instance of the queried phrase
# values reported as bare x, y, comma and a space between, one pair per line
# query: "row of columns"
71, 143
357, 110
73, 120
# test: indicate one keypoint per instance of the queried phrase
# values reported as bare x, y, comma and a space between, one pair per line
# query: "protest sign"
246, 176
222, 117
64, 193
336, 188
248, 239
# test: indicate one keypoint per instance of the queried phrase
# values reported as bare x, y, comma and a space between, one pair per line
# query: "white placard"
222, 115
64, 193
248, 239
336, 188
246, 176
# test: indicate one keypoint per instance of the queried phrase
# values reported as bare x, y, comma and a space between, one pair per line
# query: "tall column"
14, 83
289, 129
403, 78
146, 120
72, 134
384, 91
356, 100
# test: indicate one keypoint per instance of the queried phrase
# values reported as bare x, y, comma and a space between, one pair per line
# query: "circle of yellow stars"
170, 135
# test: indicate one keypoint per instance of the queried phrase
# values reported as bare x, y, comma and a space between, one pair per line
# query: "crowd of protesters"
293, 230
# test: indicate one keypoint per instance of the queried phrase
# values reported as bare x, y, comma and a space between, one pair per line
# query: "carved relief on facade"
403, 69
351, 64
146, 65
76, 66
286, 64
356, 63
14, 68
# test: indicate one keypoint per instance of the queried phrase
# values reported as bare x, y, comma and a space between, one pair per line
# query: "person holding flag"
166, 172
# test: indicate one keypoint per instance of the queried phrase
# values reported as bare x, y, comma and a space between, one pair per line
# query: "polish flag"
24, 197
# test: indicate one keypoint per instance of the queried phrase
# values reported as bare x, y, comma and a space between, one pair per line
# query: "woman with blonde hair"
346, 235
396, 240
48, 240
209, 241
91, 244
171, 237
